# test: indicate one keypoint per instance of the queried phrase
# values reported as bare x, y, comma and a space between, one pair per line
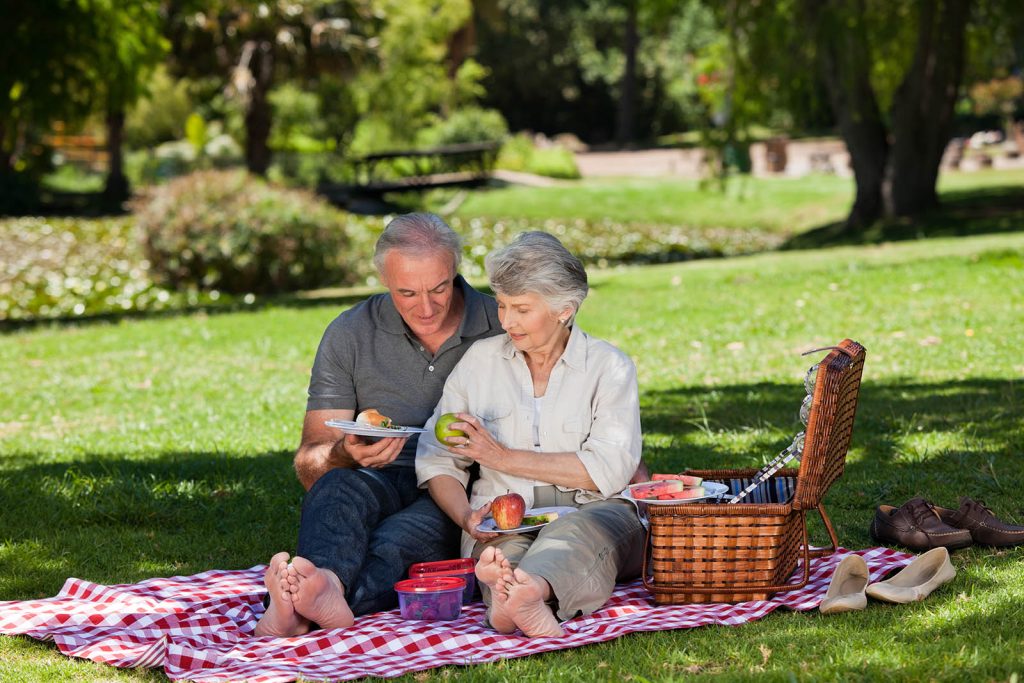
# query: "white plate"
712, 489
360, 429
489, 526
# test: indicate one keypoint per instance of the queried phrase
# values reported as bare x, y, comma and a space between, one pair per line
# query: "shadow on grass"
112, 519
962, 213
902, 441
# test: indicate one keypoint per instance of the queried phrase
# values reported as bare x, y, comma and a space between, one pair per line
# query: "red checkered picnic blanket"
200, 627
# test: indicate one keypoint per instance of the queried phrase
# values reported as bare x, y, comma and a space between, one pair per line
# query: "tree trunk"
627, 91
922, 110
258, 115
116, 189
460, 46
844, 59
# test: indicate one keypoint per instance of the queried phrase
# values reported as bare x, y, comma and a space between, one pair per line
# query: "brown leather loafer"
985, 528
917, 526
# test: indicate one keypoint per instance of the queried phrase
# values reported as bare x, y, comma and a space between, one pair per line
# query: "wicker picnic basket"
704, 552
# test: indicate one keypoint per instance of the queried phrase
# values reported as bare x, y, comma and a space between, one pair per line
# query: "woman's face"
530, 322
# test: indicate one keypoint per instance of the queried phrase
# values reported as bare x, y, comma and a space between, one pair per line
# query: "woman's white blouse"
591, 407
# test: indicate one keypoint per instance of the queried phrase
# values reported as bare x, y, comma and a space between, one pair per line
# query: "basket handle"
700, 590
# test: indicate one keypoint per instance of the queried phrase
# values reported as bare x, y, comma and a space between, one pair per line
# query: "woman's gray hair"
418, 235
538, 262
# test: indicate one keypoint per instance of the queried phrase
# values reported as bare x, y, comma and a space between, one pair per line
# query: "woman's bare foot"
318, 595
280, 619
491, 569
526, 607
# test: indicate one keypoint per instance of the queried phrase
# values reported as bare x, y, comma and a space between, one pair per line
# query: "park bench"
375, 175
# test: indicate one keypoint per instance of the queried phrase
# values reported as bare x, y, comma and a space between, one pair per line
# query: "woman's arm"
563, 469
607, 457
450, 496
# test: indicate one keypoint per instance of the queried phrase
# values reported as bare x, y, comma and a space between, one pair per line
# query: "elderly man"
364, 521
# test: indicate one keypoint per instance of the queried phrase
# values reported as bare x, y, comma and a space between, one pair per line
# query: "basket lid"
830, 424
430, 585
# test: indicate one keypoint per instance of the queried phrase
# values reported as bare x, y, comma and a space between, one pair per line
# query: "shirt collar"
474, 316
575, 354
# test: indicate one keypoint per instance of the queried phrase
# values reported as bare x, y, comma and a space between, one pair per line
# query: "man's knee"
339, 478
343, 488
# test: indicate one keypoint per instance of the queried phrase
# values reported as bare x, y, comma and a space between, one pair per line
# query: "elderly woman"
552, 414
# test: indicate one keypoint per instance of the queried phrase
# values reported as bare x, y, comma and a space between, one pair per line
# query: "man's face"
422, 289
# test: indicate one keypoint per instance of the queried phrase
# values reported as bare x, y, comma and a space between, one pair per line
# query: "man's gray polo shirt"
368, 358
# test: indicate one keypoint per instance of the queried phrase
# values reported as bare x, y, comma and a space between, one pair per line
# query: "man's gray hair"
539, 263
418, 235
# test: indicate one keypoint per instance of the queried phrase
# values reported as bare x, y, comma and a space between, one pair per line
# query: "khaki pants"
581, 555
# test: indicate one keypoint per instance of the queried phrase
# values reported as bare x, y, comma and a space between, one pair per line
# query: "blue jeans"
368, 527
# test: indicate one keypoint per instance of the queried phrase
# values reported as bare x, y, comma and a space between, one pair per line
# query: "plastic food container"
463, 569
431, 599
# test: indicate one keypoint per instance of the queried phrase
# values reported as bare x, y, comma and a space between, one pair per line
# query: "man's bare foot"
318, 595
280, 620
526, 607
491, 569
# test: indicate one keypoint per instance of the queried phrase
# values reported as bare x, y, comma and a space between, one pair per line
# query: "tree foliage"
249, 46
893, 70
66, 59
413, 84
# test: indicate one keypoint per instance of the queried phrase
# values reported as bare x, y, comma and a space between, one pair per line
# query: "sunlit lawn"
163, 446
783, 204
786, 205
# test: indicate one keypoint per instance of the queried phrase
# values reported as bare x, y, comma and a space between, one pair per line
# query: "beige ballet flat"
917, 580
846, 591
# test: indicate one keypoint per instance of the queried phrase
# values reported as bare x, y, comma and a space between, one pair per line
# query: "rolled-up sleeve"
332, 382
611, 452
432, 458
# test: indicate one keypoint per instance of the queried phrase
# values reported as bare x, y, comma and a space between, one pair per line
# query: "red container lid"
464, 566
430, 585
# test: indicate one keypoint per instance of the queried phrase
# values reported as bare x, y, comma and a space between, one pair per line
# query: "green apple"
443, 430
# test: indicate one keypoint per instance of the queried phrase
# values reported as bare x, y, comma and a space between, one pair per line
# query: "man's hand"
370, 453
322, 451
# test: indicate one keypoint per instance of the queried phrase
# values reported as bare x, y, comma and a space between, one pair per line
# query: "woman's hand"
478, 444
473, 520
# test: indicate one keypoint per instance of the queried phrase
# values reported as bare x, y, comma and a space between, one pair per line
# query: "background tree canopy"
348, 77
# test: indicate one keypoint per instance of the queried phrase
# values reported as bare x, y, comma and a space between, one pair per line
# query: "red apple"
508, 510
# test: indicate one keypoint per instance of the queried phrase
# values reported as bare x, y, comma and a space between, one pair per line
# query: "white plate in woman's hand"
488, 525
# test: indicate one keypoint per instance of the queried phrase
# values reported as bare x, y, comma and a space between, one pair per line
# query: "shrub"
471, 124
518, 153
553, 162
159, 116
515, 153
231, 232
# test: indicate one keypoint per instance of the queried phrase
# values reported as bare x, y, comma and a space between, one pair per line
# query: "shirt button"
430, 367
421, 348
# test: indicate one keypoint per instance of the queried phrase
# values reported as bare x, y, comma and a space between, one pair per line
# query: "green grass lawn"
162, 446
784, 205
